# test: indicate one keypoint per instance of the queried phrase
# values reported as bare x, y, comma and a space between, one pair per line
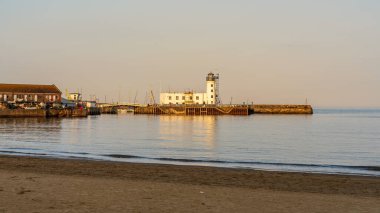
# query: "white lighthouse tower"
212, 88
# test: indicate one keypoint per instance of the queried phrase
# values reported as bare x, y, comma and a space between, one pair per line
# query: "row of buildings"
50, 94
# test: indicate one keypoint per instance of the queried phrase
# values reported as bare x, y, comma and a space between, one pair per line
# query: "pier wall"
281, 109
93, 111
29, 113
108, 110
193, 110
67, 113
22, 113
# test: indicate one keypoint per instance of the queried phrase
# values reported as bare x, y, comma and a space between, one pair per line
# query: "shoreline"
76, 185
365, 170
129, 170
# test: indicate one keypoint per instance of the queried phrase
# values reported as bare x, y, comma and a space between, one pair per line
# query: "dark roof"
29, 88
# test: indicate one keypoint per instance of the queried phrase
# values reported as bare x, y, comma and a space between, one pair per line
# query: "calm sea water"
330, 141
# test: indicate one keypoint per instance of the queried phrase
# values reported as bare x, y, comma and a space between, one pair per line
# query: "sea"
333, 141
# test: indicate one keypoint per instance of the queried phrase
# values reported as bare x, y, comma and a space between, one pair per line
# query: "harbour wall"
22, 113
108, 110
253, 109
193, 110
30, 113
93, 111
59, 113
225, 110
281, 109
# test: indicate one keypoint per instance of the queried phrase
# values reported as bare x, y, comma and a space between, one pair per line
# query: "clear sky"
266, 51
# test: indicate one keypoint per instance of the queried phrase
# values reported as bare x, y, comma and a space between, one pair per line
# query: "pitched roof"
29, 88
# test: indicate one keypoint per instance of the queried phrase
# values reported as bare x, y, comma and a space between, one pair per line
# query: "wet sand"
29, 184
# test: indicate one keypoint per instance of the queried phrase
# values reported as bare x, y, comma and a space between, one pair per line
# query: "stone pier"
281, 109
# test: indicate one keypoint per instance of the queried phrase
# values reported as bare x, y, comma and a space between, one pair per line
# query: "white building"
74, 96
211, 96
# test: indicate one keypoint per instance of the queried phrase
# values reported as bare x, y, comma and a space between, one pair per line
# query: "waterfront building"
29, 93
74, 96
211, 96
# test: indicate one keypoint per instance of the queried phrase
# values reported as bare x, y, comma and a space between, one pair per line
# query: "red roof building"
30, 93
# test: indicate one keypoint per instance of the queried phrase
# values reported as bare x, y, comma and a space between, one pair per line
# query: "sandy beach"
29, 184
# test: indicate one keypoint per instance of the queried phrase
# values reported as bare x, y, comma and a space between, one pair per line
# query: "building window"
212, 90
183, 97
177, 98
191, 97
35, 98
212, 96
212, 102
170, 97
197, 97
212, 85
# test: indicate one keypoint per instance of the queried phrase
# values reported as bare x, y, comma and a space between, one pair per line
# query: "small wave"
186, 160
24, 153
75, 153
123, 156
20, 148
21, 151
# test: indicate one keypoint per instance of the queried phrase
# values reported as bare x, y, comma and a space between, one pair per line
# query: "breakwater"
59, 113
93, 111
22, 113
193, 110
29, 113
108, 110
164, 110
224, 109
281, 109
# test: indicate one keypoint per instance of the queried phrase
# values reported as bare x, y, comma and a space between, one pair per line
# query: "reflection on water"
328, 141
198, 129
30, 129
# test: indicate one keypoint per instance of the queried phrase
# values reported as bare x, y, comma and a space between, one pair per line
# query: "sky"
266, 51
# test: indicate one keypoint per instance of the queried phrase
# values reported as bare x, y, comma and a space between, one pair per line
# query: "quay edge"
224, 109
42, 113
281, 109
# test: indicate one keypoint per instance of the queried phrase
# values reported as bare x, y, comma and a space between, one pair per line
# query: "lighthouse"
210, 97
212, 88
